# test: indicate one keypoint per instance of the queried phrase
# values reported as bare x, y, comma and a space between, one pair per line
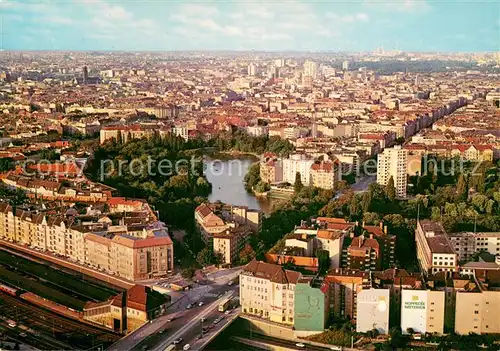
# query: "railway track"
60, 328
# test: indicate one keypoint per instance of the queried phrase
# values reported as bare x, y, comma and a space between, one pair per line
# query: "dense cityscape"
246, 199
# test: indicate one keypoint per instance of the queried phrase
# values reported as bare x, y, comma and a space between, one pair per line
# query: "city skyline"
407, 25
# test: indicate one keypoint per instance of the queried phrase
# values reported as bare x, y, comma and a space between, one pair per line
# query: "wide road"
184, 322
290, 345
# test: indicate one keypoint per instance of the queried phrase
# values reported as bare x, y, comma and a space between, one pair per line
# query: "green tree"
462, 190
390, 190
6, 164
297, 186
247, 254
188, 273
205, 257
323, 257
252, 178
371, 218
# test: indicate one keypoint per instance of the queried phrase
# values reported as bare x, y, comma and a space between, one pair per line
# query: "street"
185, 323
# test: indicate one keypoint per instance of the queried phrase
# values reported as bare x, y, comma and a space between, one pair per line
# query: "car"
206, 329
170, 320
230, 283
23, 334
186, 347
178, 341
301, 345
189, 306
200, 303
227, 312
199, 337
203, 319
217, 321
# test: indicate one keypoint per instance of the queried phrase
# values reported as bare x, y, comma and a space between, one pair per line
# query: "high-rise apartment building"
311, 69
252, 69
345, 65
393, 163
267, 291
297, 163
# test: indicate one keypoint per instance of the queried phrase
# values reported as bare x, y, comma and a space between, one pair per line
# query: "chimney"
385, 229
363, 224
371, 235
381, 224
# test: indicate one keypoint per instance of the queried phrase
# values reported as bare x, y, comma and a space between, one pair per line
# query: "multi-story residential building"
268, 291
422, 311
393, 163
396, 280
227, 231
297, 163
132, 252
180, 131
467, 244
311, 311
345, 284
477, 312
373, 307
435, 253
332, 241
372, 250
230, 242
271, 169
324, 175
208, 222
311, 69
361, 253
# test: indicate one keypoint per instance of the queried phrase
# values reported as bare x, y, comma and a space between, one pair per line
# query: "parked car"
189, 306
301, 345
186, 347
178, 341
200, 303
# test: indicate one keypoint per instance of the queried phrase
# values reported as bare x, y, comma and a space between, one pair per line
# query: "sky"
311, 25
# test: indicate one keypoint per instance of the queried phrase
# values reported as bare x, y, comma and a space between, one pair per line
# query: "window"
476, 312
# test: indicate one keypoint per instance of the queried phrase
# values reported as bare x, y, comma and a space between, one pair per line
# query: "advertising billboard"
373, 310
414, 310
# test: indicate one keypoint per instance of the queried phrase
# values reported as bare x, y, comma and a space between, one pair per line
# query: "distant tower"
252, 69
314, 131
85, 74
345, 65
311, 69
417, 80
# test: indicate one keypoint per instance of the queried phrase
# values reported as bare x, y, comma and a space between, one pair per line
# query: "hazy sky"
409, 25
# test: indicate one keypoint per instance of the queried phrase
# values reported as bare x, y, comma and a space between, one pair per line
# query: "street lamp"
201, 320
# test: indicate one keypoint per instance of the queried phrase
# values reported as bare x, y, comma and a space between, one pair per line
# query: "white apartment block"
311, 69
467, 244
434, 250
297, 163
267, 291
393, 163
182, 132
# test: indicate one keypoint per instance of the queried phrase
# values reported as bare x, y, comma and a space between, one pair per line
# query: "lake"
226, 173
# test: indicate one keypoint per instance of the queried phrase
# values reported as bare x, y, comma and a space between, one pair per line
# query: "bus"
224, 304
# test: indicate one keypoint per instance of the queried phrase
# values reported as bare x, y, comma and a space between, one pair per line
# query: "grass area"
57, 278
39, 289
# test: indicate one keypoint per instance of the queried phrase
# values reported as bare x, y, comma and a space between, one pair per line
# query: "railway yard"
24, 322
